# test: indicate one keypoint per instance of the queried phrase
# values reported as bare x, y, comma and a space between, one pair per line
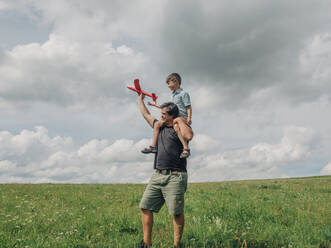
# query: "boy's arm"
189, 114
154, 104
144, 111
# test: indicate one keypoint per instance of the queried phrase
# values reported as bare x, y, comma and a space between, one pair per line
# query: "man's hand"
141, 97
189, 121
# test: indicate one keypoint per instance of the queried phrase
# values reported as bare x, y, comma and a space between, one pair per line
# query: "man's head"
169, 111
173, 81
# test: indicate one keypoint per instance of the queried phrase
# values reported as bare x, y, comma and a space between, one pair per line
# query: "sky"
258, 73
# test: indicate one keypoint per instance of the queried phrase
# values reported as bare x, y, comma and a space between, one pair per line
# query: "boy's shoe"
150, 149
186, 153
143, 245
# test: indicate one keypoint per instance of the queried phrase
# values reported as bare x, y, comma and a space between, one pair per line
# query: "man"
168, 183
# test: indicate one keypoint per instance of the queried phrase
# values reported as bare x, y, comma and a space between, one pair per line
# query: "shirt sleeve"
186, 99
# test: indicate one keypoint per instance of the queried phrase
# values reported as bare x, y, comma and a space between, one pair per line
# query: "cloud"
251, 69
244, 48
235, 50
326, 170
67, 73
204, 144
315, 64
31, 144
89, 58
6, 166
33, 156
262, 160
98, 161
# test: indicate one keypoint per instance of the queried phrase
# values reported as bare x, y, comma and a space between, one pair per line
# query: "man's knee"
146, 211
179, 217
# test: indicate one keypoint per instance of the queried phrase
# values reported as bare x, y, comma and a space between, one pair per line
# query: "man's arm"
144, 111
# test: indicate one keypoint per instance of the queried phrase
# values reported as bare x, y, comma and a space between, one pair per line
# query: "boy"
182, 100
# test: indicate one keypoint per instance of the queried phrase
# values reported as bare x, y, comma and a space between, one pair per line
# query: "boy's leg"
182, 128
156, 130
180, 136
185, 129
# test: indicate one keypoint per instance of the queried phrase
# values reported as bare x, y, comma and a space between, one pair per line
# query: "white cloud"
33, 156
99, 161
7, 166
204, 144
262, 160
67, 72
31, 144
326, 170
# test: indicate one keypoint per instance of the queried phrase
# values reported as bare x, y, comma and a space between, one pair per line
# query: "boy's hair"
172, 109
174, 75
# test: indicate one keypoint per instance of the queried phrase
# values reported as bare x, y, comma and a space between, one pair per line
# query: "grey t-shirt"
169, 149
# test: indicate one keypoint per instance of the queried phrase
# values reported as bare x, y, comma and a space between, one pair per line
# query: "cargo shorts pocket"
174, 193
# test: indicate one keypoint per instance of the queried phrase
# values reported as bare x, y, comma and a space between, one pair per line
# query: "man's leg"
173, 193
178, 223
147, 221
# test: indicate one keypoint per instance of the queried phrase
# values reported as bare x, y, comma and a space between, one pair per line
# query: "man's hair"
172, 109
174, 75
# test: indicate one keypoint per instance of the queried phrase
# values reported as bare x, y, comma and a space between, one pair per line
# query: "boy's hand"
153, 104
189, 121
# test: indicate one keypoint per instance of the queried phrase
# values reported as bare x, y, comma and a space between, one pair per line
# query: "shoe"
150, 149
143, 245
186, 153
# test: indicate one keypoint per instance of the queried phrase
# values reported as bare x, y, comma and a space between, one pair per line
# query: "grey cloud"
78, 65
235, 48
240, 46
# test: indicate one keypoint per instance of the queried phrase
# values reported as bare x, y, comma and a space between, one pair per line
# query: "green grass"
260, 213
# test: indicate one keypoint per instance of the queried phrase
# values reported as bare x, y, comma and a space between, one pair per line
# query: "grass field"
261, 213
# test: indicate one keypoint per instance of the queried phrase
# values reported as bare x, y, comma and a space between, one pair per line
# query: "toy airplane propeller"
138, 89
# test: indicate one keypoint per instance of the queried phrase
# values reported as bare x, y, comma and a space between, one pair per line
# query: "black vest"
169, 149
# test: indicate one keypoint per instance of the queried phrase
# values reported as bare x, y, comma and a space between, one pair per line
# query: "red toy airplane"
137, 89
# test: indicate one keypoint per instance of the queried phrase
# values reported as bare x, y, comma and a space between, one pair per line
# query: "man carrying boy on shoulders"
168, 183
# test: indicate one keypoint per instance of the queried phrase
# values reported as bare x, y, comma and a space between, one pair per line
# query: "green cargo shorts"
165, 188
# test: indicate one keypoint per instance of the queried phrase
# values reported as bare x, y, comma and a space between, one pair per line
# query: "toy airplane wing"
137, 84
139, 91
